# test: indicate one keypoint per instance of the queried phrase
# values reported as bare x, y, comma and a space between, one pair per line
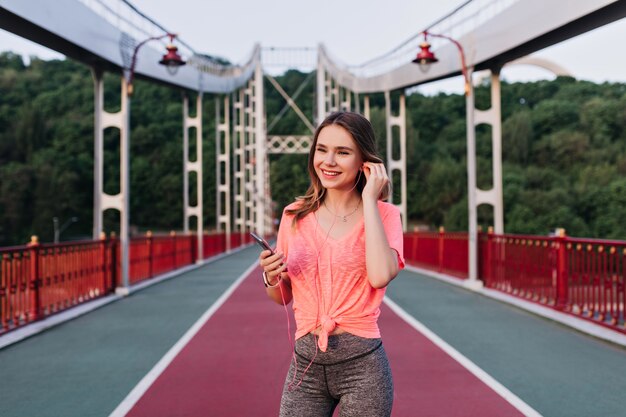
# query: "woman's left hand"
377, 180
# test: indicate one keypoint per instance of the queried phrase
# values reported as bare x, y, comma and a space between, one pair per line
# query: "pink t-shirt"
329, 276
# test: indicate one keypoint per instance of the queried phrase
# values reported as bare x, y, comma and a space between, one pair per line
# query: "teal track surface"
554, 369
87, 366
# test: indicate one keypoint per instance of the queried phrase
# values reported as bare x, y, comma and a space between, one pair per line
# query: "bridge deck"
234, 359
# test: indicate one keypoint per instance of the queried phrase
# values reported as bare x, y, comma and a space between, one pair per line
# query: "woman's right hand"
273, 265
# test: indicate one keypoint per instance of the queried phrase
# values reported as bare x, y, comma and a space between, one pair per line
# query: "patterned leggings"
353, 373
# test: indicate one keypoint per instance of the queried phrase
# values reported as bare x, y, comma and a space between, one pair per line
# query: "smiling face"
337, 158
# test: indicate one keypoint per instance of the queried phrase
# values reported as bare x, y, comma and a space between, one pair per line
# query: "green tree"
517, 137
564, 151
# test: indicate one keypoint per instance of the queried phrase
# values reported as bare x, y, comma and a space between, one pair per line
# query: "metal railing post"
195, 250
34, 281
442, 232
489, 268
113, 247
173, 237
562, 276
150, 243
103, 259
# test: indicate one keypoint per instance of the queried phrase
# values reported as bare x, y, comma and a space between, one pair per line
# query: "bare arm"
381, 260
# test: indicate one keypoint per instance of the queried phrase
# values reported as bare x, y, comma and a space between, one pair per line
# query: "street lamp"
425, 56
171, 59
58, 230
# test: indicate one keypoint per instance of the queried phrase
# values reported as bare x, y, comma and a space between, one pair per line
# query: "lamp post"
58, 230
172, 60
424, 58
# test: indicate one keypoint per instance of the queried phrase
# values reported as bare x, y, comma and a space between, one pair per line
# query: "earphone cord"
291, 386
326, 239
317, 320
294, 358
292, 343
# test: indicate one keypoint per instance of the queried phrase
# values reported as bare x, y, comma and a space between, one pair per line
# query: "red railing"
70, 274
441, 251
38, 280
155, 255
213, 245
16, 295
524, 266
595, 273
583, 277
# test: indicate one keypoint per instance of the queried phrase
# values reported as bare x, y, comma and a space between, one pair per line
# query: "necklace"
344, 217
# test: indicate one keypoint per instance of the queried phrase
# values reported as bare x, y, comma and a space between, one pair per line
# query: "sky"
231, 28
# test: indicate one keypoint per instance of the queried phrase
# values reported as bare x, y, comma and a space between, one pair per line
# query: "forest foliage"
564, 153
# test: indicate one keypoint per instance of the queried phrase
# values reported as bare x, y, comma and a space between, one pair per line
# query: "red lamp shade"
171, 59
425, 56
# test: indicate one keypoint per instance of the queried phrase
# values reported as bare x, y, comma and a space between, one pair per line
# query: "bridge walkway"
209, 343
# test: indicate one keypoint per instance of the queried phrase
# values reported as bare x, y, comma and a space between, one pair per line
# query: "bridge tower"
337, 90
193, 167
251, 194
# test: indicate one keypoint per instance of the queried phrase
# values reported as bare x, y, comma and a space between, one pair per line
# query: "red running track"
236, 364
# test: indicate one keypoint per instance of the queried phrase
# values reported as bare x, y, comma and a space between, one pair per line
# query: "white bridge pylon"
253, 210
334, 94
252, 145
105, 39
243, 198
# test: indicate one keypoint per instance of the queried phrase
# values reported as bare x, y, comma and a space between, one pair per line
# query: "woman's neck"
340, 201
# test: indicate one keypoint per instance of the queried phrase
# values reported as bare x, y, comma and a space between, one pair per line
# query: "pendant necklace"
344, 217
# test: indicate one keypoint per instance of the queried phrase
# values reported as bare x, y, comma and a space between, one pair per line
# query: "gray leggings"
353, 373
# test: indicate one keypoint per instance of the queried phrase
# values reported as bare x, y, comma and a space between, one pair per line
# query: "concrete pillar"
397, 165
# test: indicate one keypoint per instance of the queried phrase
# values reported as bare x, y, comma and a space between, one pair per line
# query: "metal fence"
441, 251
582, 277
38, 280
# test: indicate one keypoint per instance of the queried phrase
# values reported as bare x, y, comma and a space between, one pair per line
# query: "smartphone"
262, 242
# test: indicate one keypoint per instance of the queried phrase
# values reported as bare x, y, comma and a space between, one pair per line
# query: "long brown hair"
363, 134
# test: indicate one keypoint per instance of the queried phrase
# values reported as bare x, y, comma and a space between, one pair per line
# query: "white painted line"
131, 399
487, 379
574, 322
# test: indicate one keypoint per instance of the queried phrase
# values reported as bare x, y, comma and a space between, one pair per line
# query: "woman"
343, 246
